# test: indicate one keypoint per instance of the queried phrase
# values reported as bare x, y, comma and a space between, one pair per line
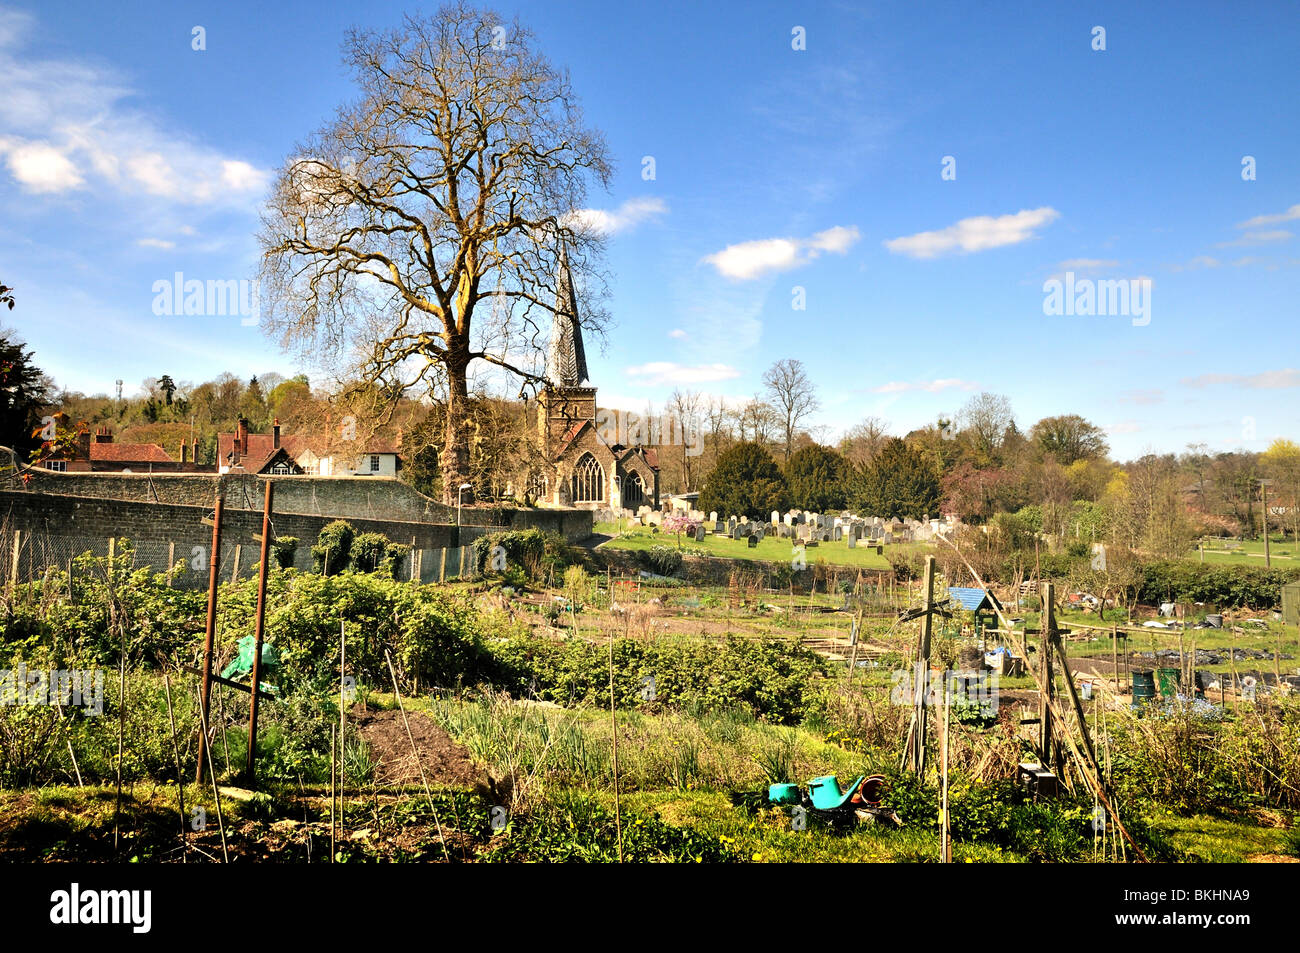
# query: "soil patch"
445, 763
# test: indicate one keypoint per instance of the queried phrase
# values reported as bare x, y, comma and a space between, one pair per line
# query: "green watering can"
826, 794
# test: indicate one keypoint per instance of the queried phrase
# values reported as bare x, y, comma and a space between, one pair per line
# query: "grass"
1219, 840
1249, 552
771, 549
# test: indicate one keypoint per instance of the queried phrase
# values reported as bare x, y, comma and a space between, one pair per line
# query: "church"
584, 466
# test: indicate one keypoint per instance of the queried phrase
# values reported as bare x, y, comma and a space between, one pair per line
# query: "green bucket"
783, 794
1144, 688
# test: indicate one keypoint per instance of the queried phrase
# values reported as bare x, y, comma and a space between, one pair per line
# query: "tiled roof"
128, 453
261, 448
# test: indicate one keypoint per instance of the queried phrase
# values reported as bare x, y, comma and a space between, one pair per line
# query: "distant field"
1250, 553
771, 549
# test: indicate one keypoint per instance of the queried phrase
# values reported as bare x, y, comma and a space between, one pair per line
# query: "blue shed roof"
973, 600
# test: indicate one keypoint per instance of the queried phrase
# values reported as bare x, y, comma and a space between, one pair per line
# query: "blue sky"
127, 156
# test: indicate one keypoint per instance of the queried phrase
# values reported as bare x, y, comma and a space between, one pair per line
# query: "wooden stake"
209, 635
180, 777
613, 721
259, 627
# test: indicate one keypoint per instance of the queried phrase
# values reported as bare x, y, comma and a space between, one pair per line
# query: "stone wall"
63, 515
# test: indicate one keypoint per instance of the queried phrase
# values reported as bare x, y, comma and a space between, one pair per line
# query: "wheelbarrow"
861, 801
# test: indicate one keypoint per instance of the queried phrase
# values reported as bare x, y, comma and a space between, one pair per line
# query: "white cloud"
678, 334
40, 167
1266, 380
628, 215
1259, 238
1259, 221
666, 372
1126, 426
67, 125
155, 243
979, 233
932, 387
748, 260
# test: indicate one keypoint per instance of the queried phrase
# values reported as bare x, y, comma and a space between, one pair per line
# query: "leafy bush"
538, 554
367, 551
1229, 587
283, 549
333, 549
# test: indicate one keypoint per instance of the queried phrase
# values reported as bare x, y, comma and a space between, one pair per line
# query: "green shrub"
333, 550
367, 551
284, 548
661, 560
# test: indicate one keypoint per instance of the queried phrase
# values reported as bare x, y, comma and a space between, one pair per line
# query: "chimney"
184, 448
103, 435
275, 431
194, 452
83, 446
243, 435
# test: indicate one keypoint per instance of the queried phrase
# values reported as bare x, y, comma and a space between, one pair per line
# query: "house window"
282, 469
374, 463
58, 466
588, 481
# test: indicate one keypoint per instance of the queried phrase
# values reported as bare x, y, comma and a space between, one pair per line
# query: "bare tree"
457, 177
793, 395
685, 409
864, 440
984, 419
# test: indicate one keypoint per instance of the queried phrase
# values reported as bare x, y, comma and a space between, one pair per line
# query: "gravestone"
753, 542
699, 533
713, 516
776, 517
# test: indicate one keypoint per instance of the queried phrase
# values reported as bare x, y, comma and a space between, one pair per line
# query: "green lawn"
1250, 552
771, 549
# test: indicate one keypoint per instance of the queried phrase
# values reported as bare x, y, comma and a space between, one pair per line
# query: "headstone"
753, 542
699, 533
713, 516
776, 517
759, 533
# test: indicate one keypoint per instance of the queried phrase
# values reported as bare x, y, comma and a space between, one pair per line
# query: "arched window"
588, 481
633, 490
538, 486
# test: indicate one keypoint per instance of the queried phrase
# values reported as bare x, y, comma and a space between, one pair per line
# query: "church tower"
565, 402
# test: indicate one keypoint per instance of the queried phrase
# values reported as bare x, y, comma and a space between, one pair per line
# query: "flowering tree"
680, 523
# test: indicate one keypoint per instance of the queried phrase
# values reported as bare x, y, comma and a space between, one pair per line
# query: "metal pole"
259, 626
205, 694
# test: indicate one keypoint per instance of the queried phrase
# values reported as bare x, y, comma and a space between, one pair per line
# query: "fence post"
13, 568
234, 572
442, 566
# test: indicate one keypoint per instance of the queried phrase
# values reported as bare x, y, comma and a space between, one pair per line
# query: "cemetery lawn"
1248, 552
771, 549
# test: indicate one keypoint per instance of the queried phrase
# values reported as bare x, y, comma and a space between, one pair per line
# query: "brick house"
291, 454
99, 453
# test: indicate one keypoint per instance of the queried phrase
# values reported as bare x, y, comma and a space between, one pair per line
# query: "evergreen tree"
745, 482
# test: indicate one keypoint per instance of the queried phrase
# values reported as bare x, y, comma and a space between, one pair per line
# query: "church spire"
566, 361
